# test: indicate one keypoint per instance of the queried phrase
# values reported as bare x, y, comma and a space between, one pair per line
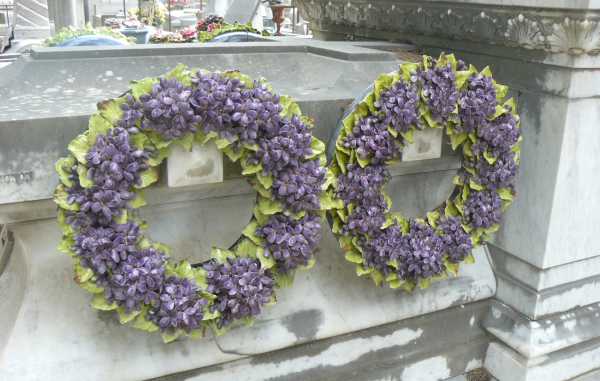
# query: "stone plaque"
427, 144
203, 165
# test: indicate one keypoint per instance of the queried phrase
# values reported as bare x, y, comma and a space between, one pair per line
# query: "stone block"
200, 165
426, 144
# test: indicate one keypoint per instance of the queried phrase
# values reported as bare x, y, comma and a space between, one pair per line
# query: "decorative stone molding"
541, 29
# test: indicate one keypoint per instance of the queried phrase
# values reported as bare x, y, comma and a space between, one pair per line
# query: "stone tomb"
330, 324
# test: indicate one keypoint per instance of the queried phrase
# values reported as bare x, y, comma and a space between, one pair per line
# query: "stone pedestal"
545, 256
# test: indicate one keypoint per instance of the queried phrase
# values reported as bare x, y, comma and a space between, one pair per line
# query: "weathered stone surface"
56, 314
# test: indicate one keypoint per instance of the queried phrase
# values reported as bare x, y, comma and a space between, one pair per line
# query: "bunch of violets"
242, 287
370, 135
290, 242
136, 279
399, 106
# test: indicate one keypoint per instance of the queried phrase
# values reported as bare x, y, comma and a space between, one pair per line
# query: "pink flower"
211, 27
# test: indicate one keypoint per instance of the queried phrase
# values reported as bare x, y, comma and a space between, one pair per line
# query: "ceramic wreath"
100, 189
470, 107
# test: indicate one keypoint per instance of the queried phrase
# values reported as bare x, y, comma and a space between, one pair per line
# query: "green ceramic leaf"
354, 255
249, 230
97, 125
109, 109
79, 147
266, 262
60, 197
285, 281
99, 303
143, 86
124, 318
310, 263
140, 321
138, 201
268, 207
148, 177
66, 228
90, 286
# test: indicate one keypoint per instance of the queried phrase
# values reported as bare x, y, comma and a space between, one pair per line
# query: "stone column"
545, 257
31, 19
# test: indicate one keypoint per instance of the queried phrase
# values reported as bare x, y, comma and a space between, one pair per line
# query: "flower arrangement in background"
70, 32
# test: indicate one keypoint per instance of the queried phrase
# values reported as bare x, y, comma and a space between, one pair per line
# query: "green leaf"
511, 103
354, 255
406, 68
99, 303
157, 139
268, 207
260, 218
249, 169
97, 125
492, 228
143, 86
505, 194
180, 73
221, 255
490, 159
452, 268
221, 331
161, 154
168, 337
317, 148
248, 320
202, 138
138, 201
249, 230
148, 177
90, 286
266, 262
289, 106
63, 168
124, 318
79, 147
486, 71
233, 156
60, 197
245, 249
140, 321
82, 173
395, 283
184, 269
456, 139
325, 201
310, 263
461, 77
285, 281
501, 91
345, 242
475, 186
256, 185
424, 283
109, 109
361, 271
450, 209
364, 162
67, 229
426, 114
342, 160
377, 277
468, 259
432, 217
266, 181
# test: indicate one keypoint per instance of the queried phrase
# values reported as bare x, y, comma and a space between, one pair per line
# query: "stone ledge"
536, 338
507, 365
